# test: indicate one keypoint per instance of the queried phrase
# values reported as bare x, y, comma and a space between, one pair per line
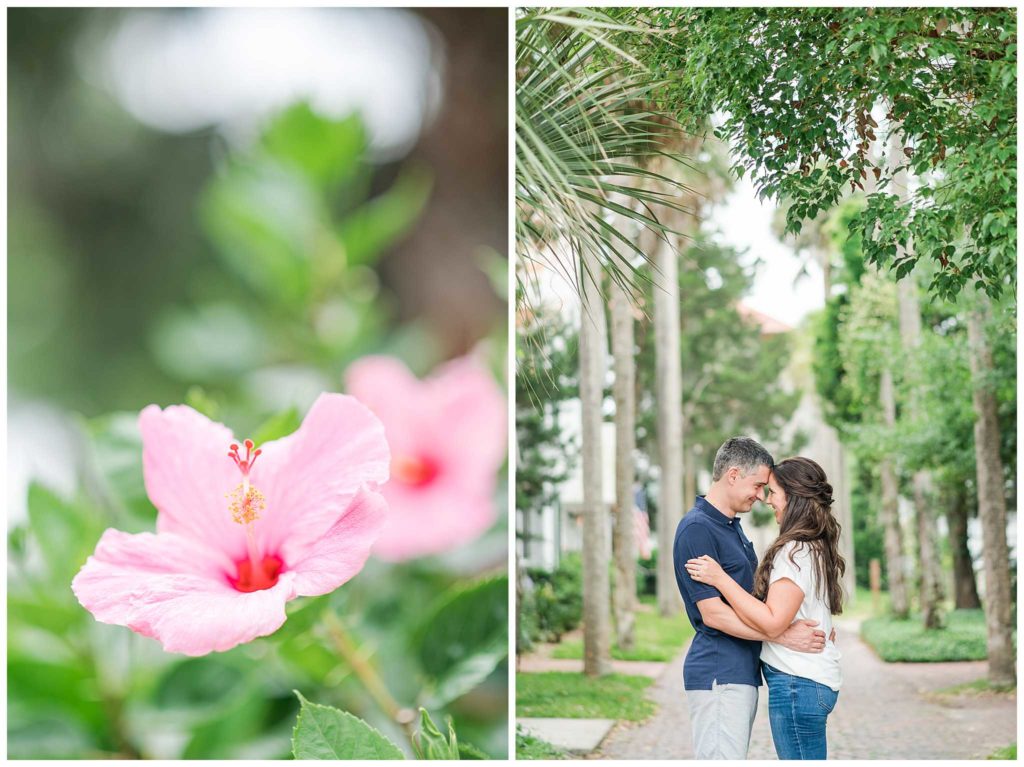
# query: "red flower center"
263, 577
413, 469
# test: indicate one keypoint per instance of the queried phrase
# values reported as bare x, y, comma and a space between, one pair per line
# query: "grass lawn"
863, 607
529, 747
977, 687
575, 696
657, 639
963, 638
1009, 752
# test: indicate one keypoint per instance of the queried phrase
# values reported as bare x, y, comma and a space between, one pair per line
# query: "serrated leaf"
324, 732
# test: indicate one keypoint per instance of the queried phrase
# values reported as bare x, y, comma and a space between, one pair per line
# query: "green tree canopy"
810, 90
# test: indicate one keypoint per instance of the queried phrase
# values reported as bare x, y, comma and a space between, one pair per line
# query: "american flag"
642, 531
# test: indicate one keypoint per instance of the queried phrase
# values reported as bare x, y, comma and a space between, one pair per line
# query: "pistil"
245, 501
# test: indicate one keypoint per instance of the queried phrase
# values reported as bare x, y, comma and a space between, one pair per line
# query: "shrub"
555, 603
647, 575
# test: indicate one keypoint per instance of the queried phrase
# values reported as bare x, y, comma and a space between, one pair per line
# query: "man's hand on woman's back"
802, 636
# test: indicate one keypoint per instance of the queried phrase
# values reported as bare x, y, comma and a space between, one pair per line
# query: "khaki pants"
722, 719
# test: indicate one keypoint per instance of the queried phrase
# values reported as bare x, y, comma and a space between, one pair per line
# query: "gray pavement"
579, 736
885, 711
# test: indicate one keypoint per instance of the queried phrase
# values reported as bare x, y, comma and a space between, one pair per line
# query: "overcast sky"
745, 222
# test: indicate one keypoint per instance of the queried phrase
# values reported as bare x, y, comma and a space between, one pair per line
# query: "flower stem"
369, 676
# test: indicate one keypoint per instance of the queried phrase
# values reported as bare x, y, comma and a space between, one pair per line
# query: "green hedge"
555, 603
963, 638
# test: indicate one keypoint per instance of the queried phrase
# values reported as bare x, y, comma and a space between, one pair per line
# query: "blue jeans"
798, 709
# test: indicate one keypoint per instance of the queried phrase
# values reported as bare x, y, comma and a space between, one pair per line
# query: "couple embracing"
770, 618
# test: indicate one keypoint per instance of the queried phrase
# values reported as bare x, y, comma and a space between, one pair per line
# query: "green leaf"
297, 644
265, 220
277, 426
117, 457
327, 151
323, 732
216, 341
65, 533
469, 751
431, 743
463, 638
372, 228
199, 399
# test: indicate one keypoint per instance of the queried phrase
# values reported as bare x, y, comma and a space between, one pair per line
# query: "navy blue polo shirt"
714, 655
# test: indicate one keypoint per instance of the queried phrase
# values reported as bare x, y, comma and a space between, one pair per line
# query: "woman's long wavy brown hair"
808, 520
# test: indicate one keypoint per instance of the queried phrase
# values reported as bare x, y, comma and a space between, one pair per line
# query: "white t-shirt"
822, 667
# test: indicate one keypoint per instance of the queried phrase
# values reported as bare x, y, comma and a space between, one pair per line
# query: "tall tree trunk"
927, 532
890, 517
928, 551
965, 589
834, 462
670, 432
690, 472
625, 442
991, 506
596, 615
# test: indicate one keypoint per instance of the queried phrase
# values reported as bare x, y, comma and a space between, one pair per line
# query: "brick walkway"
885, 711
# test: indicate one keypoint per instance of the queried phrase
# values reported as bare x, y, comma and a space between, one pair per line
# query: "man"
722, 671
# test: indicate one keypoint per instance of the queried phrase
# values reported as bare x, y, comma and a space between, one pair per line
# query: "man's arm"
800, 636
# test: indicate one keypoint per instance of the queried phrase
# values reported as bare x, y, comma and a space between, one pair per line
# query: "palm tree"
625, 545
596, 587
585, 123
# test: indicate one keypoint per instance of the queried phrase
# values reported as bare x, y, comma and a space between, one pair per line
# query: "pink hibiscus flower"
240, 535
448, 438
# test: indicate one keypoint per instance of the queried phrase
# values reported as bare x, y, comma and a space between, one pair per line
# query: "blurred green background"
225, 207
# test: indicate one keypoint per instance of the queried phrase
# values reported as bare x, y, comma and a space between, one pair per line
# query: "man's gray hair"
744, 453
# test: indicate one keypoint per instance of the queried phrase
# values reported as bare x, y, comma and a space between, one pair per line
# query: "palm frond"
587, 129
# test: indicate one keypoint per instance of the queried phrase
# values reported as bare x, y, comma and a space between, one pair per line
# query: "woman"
799, 577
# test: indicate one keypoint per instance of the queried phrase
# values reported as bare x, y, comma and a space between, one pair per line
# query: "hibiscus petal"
441, 518
188, 474
471, 405
343, 550
176, 591
389, 389
311, 477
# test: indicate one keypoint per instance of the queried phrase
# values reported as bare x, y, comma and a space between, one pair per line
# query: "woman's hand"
705, 570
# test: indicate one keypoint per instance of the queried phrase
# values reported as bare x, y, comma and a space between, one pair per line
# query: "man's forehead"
761, 474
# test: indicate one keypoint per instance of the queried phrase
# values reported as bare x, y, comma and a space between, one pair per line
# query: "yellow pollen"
246, 503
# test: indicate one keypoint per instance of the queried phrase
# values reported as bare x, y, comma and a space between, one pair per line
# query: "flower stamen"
245, 502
